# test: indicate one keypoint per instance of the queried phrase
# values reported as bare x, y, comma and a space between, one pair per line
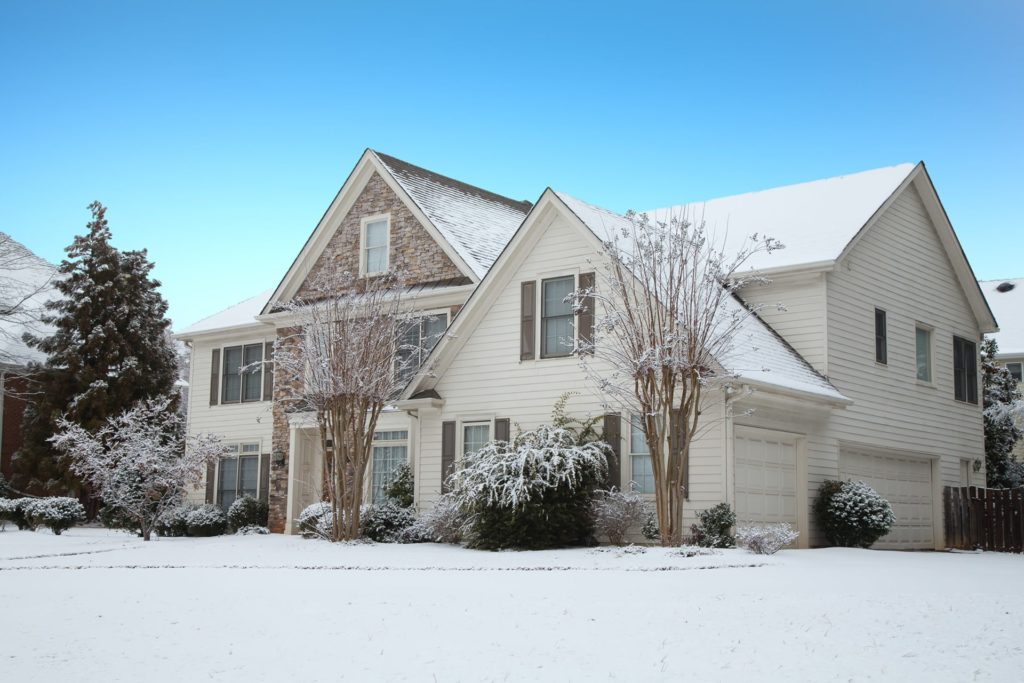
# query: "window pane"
642, 474
232, 378
397, 435
433, 330
924, 355
1016, 369
376, 260
386, 459
475, 437
248, 475
557, 336
252, 379
377, 234
637, 439
227, 481
555, 292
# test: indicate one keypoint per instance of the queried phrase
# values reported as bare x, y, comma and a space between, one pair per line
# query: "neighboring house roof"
26, 284
1006, 299
242, 314
477, 223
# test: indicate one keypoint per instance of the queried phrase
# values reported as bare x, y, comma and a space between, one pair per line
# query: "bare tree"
25, 283
666, 321
140, 462
352, 348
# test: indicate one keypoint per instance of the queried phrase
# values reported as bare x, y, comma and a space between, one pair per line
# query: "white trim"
363, 222
924, 327
461, 422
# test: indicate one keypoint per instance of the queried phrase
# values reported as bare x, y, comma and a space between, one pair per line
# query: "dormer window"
374, 248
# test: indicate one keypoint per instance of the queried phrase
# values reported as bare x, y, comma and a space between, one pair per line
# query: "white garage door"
907, 484
765, 477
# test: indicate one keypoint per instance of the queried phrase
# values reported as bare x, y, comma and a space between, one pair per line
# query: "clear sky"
218, 132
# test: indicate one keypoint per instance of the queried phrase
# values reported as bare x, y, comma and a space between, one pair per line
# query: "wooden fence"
990, 519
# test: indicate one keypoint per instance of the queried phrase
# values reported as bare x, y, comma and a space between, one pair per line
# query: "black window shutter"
971, 352
502, 429
447, 453
613, 437
264, 493
215, 377
527, 322
211, 472
881, 350
586, 314
268, 371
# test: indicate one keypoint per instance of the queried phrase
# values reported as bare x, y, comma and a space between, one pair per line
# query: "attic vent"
1005, 287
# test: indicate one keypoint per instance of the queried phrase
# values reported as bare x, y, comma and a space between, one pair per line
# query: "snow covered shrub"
253, 530
174, 522
617, 512
695, 551
247, 511
532, 492
316, 520
765, 539
19, 513
6, 511
650, 529
852, 514
401, 489
57, 514
444, 523
713, 527
207, 520
386, 522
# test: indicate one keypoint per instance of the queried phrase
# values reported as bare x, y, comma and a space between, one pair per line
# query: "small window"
238, 474
965, 370
242, 378
390, 451
881, 349
924, 354
641, 472
375, 246
475, 435
1017, 370
556, 328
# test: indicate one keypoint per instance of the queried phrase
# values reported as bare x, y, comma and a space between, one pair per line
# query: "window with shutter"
965, 370
881, 343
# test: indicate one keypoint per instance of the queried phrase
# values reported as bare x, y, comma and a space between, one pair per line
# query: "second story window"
1017, 370
965, 370
924, 353
556, 336
881, 347
374, 257
418, 341
242, 378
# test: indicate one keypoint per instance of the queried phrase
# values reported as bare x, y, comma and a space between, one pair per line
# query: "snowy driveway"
98, 606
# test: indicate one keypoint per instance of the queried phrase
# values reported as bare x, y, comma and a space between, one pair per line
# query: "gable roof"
471, 225
26, 284
1008, 306
241, 315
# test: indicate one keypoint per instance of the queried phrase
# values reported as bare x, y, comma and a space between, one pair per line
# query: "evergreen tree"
1004, 408
108, 349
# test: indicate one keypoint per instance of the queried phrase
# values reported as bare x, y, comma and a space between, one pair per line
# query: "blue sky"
217, 133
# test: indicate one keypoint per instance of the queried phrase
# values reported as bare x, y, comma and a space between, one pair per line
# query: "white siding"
801, 320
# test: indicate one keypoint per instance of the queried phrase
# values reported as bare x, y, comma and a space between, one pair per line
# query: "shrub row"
58, 514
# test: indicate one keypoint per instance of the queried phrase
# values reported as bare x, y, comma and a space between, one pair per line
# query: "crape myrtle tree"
352, 347
666, 316
107, 349
1003, 413
140, 462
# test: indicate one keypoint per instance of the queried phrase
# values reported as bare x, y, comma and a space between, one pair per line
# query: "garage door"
907, 484
765, 477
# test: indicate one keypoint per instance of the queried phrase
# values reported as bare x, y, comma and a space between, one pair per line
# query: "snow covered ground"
93, 605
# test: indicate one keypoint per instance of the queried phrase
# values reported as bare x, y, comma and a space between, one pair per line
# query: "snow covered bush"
852, 514
765, 539
316, 521
532, 492
247, 511
617, 512
174, 522
386, 522
7, 506
445, 522
19, 513
253, 530
401, 487
207, 520
713, 527
57, 514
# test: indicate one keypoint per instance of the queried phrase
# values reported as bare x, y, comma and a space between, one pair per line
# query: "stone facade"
284, 388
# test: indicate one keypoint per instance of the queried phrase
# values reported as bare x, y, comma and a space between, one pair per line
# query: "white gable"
1008, 308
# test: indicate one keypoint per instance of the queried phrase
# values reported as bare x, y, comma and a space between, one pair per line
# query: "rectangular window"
417, 342
390, 451
641, 472
881, 350
556, 329
475, 435
238, 474
242, 378
965, 370
1017, 370
375, 246
924, 354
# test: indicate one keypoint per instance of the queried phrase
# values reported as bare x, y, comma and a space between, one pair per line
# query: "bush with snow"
207, 520
713, 527
852, 514
19, 513
532, 492
7, 506
316, 521
401, 487
174, 522
248, 511
58, 514
252, 530
616, 513
386, 522
766, 539
445, 522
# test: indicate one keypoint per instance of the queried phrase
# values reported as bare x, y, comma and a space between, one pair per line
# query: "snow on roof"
26, 284
758, 353
241, 314
1006, 299
815, 221
477, 223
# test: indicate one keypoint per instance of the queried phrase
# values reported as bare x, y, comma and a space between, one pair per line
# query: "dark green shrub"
247, 511
386, 522
114, 518
173, 523
852, 514
19, 514
401, 488
207, 520
58, 514
713, 527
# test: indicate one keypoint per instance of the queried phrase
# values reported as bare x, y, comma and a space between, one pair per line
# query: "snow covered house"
869, 371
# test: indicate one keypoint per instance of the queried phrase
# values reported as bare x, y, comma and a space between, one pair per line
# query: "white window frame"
539, 308
931, 353
629, 440
366, 220
238, 445
472, 421
241, 376
386, 443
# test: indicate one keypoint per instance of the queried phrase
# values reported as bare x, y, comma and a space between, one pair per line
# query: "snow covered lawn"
93, 605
